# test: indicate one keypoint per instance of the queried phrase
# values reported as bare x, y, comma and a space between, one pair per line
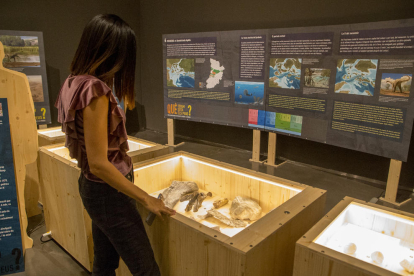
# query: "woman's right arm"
95, 124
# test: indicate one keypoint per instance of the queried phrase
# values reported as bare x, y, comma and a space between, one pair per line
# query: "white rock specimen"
377, 257
245, 208
350, 248
408, 266
173, 193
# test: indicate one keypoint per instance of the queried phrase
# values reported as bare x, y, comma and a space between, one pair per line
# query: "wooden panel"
256, 146
32, 193
274, 254
182, 251
393, 180
15, 87
271, 149
158, 176
148, 153
171, 131
312, 263
32, 190
231, 184
122, 269
61, 199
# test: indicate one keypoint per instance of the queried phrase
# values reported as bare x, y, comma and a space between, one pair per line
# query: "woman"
95, 135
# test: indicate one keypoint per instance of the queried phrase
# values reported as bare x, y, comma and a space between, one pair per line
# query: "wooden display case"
50, 136
186, 247
326, 249
64, 213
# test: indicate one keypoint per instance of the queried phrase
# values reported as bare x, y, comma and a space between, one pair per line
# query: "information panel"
24, 52
344, 85
11, 257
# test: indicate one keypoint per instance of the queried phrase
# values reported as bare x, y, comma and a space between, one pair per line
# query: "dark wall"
62, 23
179, 16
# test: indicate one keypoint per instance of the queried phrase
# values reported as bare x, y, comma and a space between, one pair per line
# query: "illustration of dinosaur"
397, 83
14, 56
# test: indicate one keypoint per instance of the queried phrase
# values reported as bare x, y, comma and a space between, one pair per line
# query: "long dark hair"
107, 50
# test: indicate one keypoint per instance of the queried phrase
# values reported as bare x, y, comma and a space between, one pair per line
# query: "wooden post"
271, 149
256, 146
392, 183
171, 132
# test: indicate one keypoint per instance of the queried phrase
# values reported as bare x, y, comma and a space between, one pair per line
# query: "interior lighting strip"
224, 169
49, 131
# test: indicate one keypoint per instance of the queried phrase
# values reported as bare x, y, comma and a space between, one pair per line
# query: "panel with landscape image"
20, 51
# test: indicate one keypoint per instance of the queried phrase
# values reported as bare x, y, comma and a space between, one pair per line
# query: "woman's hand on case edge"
157, 207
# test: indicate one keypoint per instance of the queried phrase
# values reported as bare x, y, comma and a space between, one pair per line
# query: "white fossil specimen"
228, 221
245, 208
173, 193
350, 248
377, 257
408, 266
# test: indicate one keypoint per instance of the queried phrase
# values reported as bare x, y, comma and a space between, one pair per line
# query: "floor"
47, 259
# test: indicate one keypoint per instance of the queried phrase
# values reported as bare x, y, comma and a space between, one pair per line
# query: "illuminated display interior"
52, 133
64, 152
217, 180
367, 231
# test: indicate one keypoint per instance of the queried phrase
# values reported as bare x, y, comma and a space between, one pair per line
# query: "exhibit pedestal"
64, 212
356, 238
186, 247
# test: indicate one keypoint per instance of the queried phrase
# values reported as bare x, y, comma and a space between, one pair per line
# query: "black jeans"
117, 230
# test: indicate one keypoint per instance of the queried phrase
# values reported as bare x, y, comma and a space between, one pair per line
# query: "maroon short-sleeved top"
77, 93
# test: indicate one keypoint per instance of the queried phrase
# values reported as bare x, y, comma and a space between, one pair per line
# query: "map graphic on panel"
285, 72
180, 72
216, 74
356, 76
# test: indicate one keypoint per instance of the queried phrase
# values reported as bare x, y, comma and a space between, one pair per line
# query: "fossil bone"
191, 202
220, 203
228, 221
377, 257
187, 196
201, 197
245, 208
173, 193
203, 217
408, 266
